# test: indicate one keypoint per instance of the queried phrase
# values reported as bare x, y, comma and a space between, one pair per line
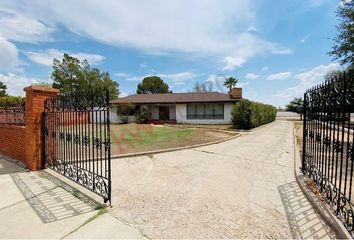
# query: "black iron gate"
77, 139
328, 146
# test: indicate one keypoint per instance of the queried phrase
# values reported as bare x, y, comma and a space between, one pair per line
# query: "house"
186, 108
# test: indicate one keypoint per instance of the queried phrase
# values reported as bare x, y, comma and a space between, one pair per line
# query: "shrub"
247, 114
124, 110
10, 101
141, 116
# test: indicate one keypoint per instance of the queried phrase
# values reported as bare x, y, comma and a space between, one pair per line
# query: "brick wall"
25, 143
35, 97
12, 141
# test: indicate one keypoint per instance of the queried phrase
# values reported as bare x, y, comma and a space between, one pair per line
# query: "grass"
144, 135
133, 138
98, 214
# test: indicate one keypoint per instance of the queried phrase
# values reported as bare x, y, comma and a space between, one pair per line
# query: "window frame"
204, 116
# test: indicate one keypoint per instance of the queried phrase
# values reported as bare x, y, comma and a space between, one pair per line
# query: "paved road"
243, 188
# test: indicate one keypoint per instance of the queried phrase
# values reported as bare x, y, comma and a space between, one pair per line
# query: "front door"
164, 113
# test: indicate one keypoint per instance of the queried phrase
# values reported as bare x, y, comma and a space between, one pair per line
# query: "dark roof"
176, 98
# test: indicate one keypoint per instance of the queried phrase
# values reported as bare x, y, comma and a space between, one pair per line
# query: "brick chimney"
236, 93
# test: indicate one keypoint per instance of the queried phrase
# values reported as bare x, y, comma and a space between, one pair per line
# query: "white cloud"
15, 83
265, 68
218, 82
232, 62
136, 78
243, 84
211, 28
252, 76
20, 28
304, 39
316, 3
307, 80
46, 57
281, 51
9, 55
121, 74
279, 76
123, 94
317, 74
143, 65
178, 77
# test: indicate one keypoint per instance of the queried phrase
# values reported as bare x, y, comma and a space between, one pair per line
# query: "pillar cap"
41, 89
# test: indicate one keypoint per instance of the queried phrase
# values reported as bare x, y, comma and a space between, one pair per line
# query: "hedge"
10, 101
247, 114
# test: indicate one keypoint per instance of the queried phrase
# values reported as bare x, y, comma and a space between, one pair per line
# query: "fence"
328, 150
13, 114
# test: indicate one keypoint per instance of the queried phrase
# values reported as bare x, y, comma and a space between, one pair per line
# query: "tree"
152, 84
202, 87
43, 84
3, 88
230, 82
296, 105
343, 46
70, 75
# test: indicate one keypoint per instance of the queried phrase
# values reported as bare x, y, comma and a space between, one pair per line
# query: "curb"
173, 149
233, 130
321, 208
74, 188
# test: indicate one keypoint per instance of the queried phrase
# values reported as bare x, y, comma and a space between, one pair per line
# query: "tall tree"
152, 84
202, 87
343, 43
70, 75
230, 82
3, 88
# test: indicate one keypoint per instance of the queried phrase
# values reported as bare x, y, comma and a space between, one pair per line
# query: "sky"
276, 48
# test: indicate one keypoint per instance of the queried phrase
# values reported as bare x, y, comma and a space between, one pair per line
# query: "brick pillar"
35, 97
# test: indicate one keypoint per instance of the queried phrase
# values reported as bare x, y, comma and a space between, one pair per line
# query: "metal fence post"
304, 130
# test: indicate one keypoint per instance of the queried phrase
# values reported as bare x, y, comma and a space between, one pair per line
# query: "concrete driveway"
242, 188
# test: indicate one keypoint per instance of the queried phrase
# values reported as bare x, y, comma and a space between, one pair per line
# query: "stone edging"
173, 149
321, 208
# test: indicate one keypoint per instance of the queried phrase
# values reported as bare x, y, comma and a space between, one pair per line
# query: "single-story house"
188, 108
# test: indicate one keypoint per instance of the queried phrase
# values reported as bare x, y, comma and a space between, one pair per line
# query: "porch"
160, 113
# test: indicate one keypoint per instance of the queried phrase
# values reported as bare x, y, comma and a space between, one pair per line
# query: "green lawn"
142, 135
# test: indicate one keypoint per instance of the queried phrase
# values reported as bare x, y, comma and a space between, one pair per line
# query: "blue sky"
276, 48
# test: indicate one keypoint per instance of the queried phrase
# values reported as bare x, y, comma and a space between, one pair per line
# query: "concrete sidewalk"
32, 206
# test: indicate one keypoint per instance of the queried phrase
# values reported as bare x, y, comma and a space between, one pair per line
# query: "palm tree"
230, 82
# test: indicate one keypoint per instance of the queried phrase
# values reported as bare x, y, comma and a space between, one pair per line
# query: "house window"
205, 111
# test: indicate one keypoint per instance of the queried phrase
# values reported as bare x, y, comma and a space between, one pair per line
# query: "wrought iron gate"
77, 139
328, 146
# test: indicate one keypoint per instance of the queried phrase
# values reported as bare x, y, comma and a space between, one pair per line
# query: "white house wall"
181, 115
113, 116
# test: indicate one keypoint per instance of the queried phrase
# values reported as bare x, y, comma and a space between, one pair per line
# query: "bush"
10, 101
124, 110
141, 116
123, 118
247, 114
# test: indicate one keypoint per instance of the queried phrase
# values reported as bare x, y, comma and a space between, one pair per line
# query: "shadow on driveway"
304, 221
